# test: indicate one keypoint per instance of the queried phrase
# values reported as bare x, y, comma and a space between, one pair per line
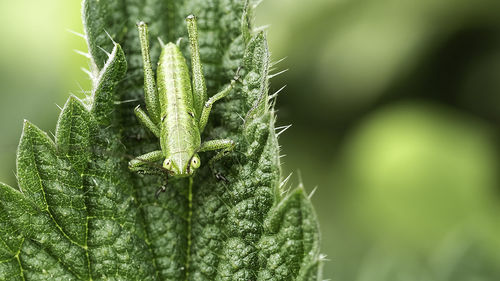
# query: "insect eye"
167, 164
195, 162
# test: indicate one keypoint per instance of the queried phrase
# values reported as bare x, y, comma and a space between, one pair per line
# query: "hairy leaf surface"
80, 214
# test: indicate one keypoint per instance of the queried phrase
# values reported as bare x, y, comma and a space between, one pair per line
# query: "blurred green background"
395, 106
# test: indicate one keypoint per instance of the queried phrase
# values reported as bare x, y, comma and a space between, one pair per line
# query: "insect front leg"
150, 90
226, 146
140, 163
199, 87
208, 105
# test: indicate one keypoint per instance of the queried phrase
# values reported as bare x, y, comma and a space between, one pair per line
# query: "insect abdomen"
179, 130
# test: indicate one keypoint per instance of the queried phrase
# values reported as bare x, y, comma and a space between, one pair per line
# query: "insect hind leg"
199, 86
150, 90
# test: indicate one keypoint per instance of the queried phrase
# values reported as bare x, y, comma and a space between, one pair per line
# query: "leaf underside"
79, 214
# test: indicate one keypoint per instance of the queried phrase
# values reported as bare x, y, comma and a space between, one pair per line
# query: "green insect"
176, 112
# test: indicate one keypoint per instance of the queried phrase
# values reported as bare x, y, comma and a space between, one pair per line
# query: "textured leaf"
80, 214
75, 211
289, 247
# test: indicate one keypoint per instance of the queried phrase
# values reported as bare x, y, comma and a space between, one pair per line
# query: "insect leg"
208, 105
226, 145
150, 90
146, 121
137, 164
160, 190
199, 87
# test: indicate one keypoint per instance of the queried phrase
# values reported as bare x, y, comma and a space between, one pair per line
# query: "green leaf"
80, 214
75, 211
105, 84
289, 247
227, 218
46, 253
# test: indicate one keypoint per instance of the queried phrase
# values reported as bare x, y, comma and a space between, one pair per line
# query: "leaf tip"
27, 125
73, 100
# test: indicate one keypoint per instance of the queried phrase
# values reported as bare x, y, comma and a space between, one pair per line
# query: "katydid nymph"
177, 112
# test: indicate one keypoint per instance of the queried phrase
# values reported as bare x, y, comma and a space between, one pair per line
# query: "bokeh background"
395, 106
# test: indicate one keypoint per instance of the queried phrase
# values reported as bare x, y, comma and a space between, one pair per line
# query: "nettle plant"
80, 213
